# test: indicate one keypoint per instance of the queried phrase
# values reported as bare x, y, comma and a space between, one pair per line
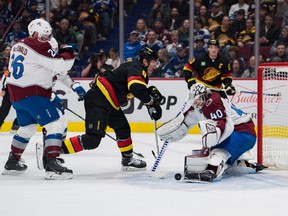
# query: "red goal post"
272, 114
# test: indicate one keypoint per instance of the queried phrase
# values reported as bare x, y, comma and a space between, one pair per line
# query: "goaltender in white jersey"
31, 68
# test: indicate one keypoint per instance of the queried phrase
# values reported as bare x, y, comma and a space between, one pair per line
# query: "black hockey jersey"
209, 72
122, 84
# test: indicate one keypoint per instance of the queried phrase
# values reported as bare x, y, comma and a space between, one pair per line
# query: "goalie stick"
138, 154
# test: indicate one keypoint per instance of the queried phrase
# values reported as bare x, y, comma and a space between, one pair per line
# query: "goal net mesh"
274, 107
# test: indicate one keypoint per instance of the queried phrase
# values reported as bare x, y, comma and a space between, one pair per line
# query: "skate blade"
132, 169
12, 172
39, 155
56, 176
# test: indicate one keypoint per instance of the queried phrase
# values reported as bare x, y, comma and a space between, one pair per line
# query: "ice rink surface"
99, 187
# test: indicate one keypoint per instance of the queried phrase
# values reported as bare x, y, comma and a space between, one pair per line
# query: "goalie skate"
207, 176
133, 164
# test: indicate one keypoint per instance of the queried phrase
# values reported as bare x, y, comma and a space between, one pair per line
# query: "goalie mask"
198, 95
42, 27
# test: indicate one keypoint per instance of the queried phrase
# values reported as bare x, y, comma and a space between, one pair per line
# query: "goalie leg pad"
196, 162
174, 130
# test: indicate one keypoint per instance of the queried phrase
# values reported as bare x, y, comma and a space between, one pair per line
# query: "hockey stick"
265, 94
157, 162
156, 138
138, 154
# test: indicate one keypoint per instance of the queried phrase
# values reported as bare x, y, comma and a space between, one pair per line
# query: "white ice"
99, 187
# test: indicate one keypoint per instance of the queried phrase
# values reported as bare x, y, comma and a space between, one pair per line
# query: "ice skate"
55, 169
14, 166
133, 164
204, 176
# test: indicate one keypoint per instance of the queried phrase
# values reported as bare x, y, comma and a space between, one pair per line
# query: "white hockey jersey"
32, 65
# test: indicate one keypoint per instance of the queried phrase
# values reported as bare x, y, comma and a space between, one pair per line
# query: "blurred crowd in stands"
165, 30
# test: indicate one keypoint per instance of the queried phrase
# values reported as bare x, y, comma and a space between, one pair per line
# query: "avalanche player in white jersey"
226, 132
31, 67
66, 80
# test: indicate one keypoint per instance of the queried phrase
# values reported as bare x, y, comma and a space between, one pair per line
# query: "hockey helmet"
148, 54
198, 95
41, 26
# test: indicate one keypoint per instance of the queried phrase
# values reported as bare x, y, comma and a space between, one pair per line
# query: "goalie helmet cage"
272, 115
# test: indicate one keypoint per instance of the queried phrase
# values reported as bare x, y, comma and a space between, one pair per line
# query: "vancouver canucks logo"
210, 74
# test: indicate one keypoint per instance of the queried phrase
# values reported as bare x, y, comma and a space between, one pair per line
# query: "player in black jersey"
102, 106
210, 69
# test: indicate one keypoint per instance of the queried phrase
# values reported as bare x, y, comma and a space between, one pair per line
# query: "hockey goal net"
272, 118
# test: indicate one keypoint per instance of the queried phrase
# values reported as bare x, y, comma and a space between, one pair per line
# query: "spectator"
61, 12
216, 13
132, 47
280, 55
199, 47
226, 35
89, 18
96, 65
152, 41
183, 8
105, 10
283, 39
64, 34
184, 33
4, 57
177, 62
78, 29
158, 6
16, 34
164, 59
171, 47
246, 37
269, 32
161, 32
250, 71
233, 55
25, 19
239, 23
204, 16
200, 32
175, 19
158, 16
236, 7
141, 29
282, 8
223, 7
114, 58
5, 15
236, 71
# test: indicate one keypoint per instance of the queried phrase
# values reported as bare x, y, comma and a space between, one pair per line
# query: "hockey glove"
230, 89
67, 48
79, 90
190, 83
58, 103
155, 94
154, 110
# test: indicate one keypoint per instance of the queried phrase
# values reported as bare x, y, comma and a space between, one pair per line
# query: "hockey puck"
178, 176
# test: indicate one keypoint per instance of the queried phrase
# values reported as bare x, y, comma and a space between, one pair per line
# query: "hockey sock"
126, 147
72, 145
